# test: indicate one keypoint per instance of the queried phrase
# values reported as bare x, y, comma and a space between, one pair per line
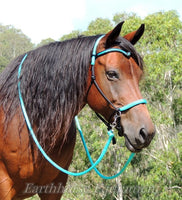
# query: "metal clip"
116, 116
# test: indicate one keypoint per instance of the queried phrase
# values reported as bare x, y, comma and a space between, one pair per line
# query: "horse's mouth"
130, 146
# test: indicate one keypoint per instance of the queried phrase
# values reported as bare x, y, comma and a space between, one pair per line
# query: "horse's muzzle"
140, 141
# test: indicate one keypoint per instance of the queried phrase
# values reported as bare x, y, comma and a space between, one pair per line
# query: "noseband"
117, 111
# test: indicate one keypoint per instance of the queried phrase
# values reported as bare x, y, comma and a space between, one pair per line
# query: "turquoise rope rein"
93, 165
91, 161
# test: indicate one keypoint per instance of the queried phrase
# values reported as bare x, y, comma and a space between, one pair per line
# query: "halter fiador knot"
110, 132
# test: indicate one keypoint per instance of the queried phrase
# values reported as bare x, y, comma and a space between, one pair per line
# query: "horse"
57, 81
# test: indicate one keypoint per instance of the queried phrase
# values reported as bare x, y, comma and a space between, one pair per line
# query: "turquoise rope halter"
110, 132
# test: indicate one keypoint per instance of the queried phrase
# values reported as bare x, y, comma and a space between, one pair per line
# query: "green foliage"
3, 62
162, 47
12, 43
156, 172
177, 107
73, 34
33, 198
119, 17
132, 22
98, 26
45, 41
163, 172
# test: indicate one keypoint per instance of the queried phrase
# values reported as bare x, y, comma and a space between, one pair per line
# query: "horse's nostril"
143, 133
145, 137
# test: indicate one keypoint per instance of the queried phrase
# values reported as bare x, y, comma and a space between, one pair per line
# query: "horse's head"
115, 76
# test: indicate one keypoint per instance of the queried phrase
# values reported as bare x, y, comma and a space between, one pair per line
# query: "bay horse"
56, 83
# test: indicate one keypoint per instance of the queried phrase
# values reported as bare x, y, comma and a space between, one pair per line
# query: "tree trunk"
119, 189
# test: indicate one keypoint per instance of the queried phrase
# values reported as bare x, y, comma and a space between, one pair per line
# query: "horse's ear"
112, 35
134, 36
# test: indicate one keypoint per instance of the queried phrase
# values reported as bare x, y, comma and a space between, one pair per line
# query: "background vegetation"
156, 172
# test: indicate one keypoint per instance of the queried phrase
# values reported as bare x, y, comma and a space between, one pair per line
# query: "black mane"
53, 85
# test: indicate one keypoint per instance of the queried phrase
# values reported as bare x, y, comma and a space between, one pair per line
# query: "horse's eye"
112, 75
